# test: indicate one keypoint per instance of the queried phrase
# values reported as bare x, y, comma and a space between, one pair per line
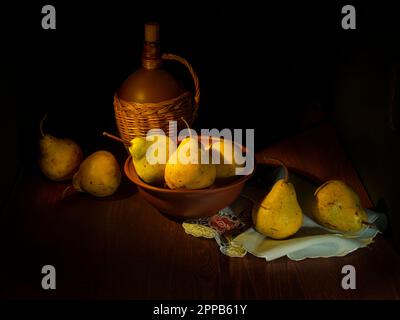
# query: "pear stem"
369, 224
257, 203
111, 136
286, 176
187, 125
41, 125
65, 191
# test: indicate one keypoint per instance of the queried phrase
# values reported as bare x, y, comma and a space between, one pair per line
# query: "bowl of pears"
178, 181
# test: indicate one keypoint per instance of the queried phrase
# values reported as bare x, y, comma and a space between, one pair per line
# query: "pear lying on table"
279, 215
99, 175
59, 158
337, 206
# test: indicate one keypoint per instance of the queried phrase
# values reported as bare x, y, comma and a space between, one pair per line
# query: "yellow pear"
279, 215
99, 175
150, 166
59, 158
184, 168
337, 206
227, 158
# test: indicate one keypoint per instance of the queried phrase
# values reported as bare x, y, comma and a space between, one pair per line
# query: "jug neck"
151, 56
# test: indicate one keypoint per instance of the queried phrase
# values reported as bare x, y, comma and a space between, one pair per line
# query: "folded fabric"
312, 241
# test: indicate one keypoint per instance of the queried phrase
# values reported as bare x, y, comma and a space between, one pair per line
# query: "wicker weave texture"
136, 119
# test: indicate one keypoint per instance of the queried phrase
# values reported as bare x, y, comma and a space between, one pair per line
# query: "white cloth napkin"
312, 241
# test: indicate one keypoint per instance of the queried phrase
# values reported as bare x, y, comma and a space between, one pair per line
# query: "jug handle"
169, 56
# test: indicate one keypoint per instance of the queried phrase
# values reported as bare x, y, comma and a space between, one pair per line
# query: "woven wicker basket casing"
136, 119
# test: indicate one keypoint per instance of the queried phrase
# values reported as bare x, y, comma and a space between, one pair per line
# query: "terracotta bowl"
185, 203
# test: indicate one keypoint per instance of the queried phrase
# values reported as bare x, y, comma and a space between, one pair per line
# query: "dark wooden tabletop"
122, 248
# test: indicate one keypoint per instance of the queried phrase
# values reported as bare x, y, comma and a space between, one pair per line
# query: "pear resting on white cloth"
311, 241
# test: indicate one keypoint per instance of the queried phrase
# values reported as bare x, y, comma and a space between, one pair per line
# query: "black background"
261, 65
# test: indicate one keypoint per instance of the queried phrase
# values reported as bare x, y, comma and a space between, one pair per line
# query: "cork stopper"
151, 32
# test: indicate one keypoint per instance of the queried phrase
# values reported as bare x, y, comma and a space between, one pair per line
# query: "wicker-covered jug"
150, 97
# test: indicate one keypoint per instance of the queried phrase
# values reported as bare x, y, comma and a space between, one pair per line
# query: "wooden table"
122, 248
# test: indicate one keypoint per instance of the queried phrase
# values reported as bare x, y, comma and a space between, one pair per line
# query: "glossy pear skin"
59, 158
279, 216
225, 169
149, 173
99, 175
189, 175
337, 206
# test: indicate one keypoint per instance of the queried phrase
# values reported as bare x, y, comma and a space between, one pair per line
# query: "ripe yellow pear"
99, 175
191, 175
279, 215
59, 158
337, 206
227, 158
145, 163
